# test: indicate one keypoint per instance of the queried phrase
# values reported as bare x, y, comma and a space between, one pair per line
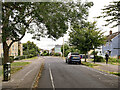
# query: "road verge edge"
35, 83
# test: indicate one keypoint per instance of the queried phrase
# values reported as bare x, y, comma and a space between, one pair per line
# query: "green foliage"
30, 48
99, 59
113, 59
57, 54
42, 19
111, 14
16, 66
68, 49
86, 36
45, 54
94, 52
11, 59
89, 64
49, 18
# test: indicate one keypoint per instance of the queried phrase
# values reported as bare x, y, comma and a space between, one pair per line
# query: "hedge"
99, 59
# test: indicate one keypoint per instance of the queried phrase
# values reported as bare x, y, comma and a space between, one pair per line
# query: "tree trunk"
85, 57
6, 52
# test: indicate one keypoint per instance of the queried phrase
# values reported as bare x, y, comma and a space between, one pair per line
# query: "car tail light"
80, 56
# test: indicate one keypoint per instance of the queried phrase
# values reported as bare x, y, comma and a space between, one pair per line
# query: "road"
58, 74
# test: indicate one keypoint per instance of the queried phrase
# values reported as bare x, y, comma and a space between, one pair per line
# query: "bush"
30, 56
45, 54
57, 54
20, 57
11, 59
99, 59
113, 59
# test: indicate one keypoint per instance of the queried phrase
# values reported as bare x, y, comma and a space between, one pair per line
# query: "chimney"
110, 32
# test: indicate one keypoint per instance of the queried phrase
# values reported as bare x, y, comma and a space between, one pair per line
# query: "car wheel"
79, 62
68, 62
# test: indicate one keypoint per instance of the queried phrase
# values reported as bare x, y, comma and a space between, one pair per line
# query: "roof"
110, 37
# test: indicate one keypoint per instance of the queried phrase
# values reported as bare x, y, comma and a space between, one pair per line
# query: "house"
112, 46
57, 49
15, 50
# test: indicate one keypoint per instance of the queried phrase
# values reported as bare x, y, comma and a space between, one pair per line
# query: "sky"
94, 11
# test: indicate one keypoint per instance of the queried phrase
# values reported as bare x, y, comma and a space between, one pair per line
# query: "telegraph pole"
63, 47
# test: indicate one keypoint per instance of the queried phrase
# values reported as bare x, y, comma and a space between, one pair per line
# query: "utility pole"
94, 53
63, 47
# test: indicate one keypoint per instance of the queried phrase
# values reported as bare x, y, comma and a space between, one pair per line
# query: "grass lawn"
16, 66
115, 73
30, 58
90, 64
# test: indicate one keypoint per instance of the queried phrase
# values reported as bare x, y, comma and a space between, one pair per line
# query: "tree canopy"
85, 38
30, 48
111, 13
68, 49
42, 19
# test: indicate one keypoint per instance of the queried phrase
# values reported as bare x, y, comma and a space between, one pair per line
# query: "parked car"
73, 57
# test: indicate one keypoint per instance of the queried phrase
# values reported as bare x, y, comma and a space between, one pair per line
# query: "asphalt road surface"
58, 74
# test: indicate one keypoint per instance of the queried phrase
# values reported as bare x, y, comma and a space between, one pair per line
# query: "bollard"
6, 72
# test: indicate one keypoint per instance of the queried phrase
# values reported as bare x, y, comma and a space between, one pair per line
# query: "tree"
40, 19
111, 13
68, 49
85, 38
30, 48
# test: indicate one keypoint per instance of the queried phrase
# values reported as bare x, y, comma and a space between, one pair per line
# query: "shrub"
57, 54
11, 59
45, 54
30, 56
99, 59
20, 57
113, 59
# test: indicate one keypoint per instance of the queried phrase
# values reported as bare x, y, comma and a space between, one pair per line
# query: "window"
13, 47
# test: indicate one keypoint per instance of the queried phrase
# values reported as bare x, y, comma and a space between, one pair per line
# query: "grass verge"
16, 66
90, 64
30, 58
35, 84
115, 73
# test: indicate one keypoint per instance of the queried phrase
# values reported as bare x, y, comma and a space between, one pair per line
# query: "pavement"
106, 67
25, 77
58, 74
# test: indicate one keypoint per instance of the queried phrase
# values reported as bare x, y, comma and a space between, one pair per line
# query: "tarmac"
25, 77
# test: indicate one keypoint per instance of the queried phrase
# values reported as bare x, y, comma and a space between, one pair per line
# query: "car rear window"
74, 53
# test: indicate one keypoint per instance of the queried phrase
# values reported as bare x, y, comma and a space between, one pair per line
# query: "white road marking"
51, 77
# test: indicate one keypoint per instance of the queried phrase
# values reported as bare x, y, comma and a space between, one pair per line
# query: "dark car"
73, 57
